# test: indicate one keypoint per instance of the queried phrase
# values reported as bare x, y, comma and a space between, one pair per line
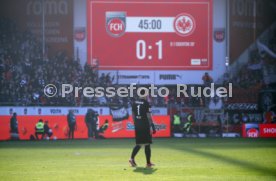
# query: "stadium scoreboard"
150, 35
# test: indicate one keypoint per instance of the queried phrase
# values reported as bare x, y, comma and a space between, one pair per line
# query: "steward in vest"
102, 129
188, 124
176, 123
39, 129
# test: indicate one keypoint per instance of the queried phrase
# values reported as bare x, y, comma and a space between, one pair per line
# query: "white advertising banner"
51, 110
154, 111
5, 111
130, 77
169, 77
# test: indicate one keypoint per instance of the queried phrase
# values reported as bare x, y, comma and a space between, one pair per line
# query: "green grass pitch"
176, 159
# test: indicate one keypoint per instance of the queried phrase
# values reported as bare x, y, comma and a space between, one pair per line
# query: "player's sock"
135, 151
148, 153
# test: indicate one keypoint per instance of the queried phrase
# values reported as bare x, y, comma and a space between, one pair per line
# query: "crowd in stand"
262, 61
24, 74
250, 74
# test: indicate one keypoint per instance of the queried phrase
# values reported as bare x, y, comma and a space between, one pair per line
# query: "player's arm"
151, 122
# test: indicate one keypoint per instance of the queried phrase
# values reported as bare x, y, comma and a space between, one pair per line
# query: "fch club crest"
115, 23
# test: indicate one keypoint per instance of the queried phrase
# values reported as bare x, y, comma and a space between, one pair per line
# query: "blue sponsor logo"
129, 126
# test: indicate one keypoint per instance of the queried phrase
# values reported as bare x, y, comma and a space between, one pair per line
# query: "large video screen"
150, 35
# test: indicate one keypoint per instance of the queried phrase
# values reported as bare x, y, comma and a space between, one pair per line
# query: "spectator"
14, 127
220, 129
269, 117
71, 119
47, 130
207, 79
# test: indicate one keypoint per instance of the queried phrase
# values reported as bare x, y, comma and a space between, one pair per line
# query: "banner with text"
59, 126
253, 130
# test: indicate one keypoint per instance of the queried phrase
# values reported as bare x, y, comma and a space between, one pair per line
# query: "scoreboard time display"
150, 35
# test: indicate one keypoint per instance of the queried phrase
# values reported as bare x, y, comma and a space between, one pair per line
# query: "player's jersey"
140, 108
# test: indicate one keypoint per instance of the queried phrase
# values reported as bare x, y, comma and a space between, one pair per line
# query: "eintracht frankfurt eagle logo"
184, 24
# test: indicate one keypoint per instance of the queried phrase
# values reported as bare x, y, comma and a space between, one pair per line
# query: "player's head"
142, 93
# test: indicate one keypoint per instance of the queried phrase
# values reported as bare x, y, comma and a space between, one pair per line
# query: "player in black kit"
143, 122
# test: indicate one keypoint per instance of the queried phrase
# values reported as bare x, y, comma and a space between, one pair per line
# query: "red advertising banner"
125, 128
59, 126
150, 35
26, 126
253, 130
267, 130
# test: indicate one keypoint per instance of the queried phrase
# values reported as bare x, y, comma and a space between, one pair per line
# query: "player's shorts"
143, 135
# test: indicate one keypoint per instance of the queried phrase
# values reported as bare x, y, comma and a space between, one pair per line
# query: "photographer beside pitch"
142, 122
91, 120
